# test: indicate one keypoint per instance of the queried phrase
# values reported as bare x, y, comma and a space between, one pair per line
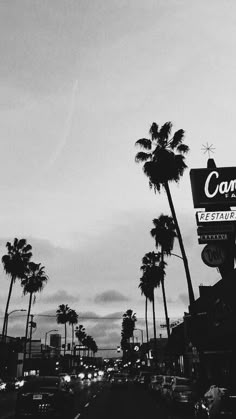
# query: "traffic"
98, 393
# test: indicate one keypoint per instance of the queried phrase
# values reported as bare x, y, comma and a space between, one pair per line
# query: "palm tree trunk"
6, 310
181, 245
26, 330
65, 341
146, 319
72, 340
164, 298
154, 329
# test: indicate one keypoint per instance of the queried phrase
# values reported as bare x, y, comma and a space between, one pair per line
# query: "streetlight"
141, 333
53, 330
7, 316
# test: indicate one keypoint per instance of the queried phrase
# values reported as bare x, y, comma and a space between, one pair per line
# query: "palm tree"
164, 162
144, 287
128, 323
91, 344
128, 326
151, 275
80, 334
63, 315
15, 265
164, 234
33, 282
73, 319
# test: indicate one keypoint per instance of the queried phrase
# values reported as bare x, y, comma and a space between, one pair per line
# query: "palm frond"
21, 243
144, 143
183, 148
164, 133
177, 139
141, 156
154, 131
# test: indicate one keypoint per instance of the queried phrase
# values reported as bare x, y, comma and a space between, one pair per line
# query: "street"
97, 399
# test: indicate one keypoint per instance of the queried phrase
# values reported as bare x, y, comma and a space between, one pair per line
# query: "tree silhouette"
164, 162
151, 279
15, 264
164, 234
33, 282
80, 334
72, 320
63, 315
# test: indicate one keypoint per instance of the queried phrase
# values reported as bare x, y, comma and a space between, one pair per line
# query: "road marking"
86, 405
77, 416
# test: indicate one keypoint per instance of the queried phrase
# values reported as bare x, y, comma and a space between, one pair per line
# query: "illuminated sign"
213, 255
215, 216
213, 186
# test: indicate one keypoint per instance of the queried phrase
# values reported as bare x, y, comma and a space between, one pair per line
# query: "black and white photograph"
118, 209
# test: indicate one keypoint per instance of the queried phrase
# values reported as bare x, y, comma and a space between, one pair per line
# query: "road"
98, 400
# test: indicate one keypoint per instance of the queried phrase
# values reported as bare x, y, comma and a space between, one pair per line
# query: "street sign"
213, 255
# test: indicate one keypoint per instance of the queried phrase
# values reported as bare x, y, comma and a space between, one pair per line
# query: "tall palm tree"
164, 234
128, 323
144, 287
73, 319
15, 264
63, 315
164, 162
80, 334
127, 332
151, 275
33, 282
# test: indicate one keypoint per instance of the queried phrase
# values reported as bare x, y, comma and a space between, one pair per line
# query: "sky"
80, 82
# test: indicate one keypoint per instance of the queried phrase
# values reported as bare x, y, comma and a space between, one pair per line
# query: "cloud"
60, 297
111, 296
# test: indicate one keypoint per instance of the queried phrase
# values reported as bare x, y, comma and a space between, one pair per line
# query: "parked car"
155, 384
165, 386
44, 396
181, 393
144, 378
216, 401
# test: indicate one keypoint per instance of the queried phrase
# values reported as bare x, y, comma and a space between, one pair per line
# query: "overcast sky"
80, 82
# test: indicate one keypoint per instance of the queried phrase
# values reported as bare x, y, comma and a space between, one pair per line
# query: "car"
165, 386
10, 383
2, 385
181, 393
119, 379
20, 381
65, 376
155, 384
46, 396
222, 402
144, 378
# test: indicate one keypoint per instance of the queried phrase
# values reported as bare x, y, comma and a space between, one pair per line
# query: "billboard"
214, 187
